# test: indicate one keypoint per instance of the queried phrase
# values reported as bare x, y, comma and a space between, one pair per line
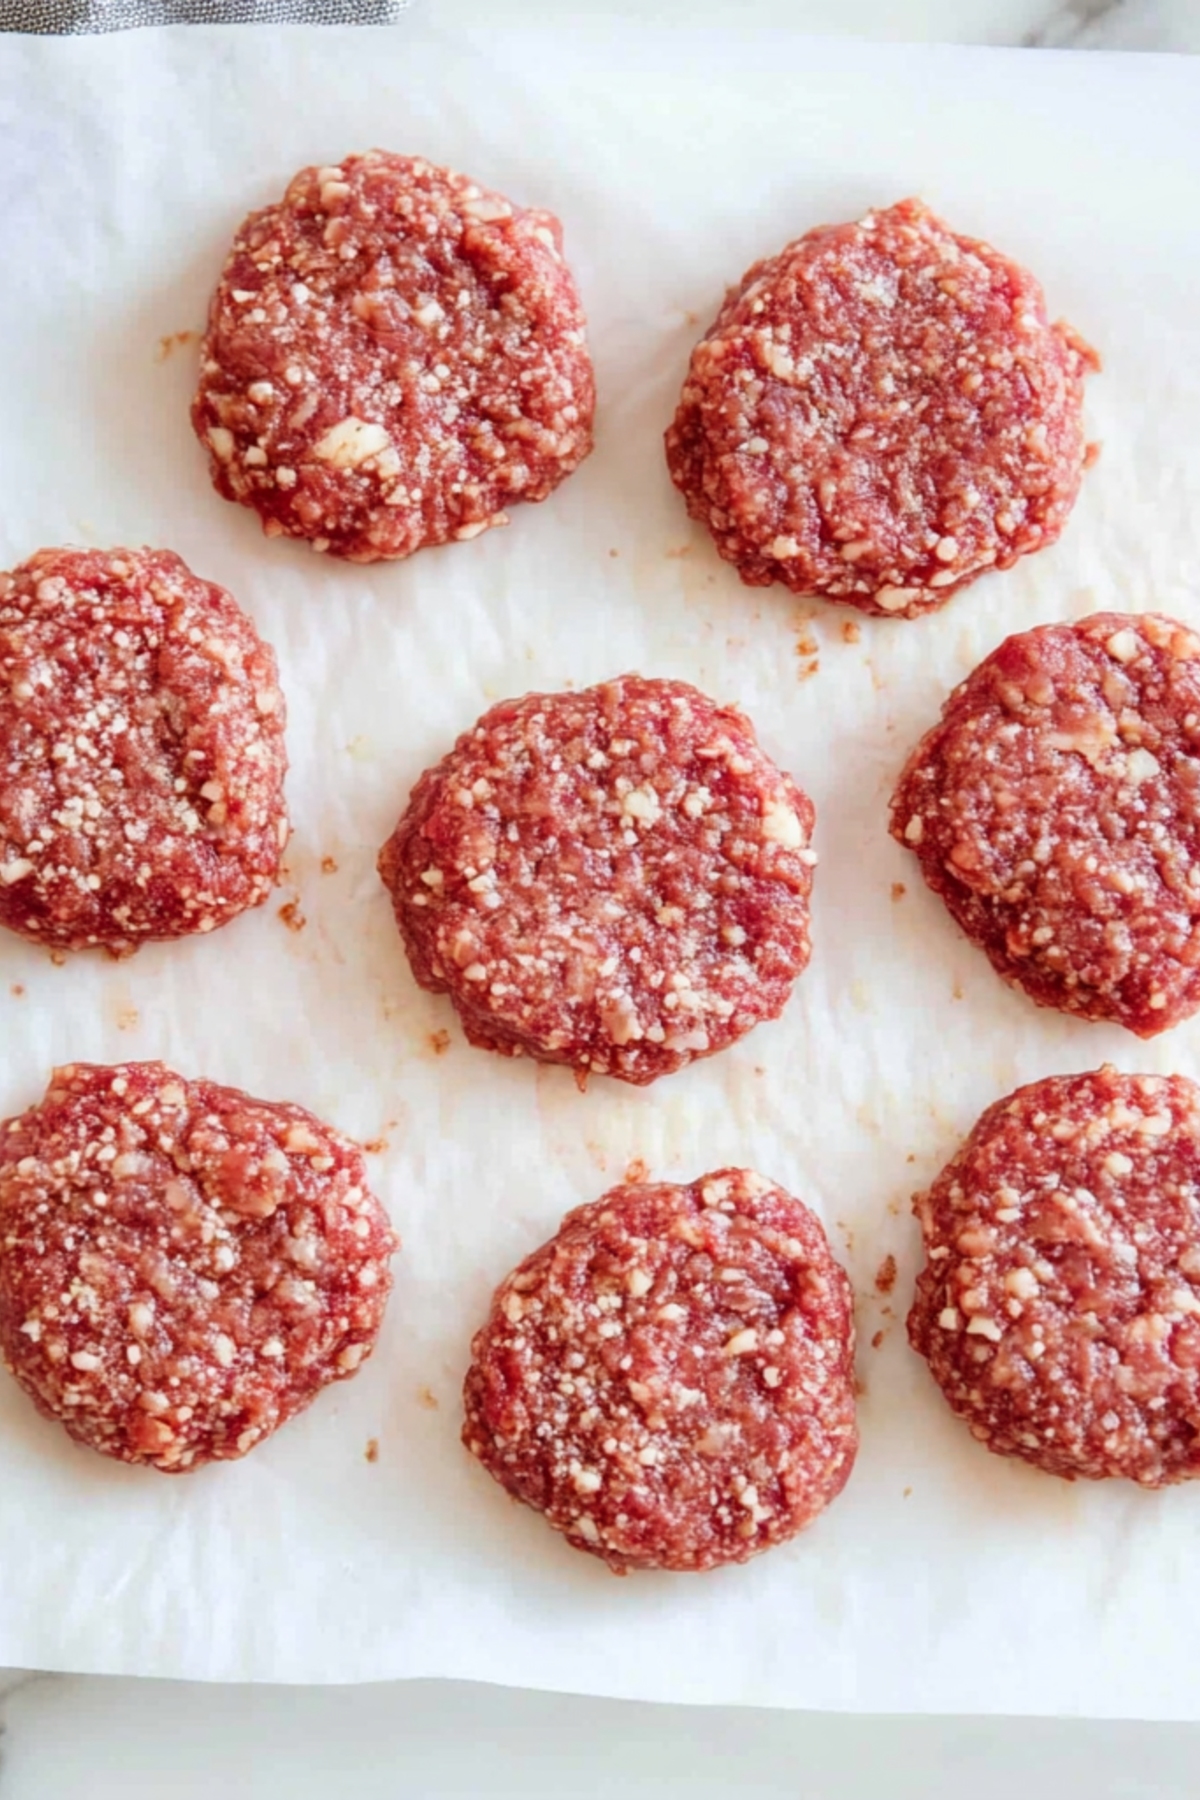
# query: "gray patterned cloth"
121, 15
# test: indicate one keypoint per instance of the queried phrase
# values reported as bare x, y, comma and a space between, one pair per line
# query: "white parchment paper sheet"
944, 1579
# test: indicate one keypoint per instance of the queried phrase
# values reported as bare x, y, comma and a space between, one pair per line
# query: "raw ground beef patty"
881, 413
1060, 1306
670, 1380
1056, 810
182, 1268
394, 355
141, 751
616, 879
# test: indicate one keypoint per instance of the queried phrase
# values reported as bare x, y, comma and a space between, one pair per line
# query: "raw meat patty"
1056, 810
394, 355
616, 879
670, 1380
182, 1268
141, 751
881, 413
1060, 1306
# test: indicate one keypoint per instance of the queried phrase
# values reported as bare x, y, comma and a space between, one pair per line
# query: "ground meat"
141, 751
1060, 1306
182, 1268
881, 413
670, 1380
1056, 810
394, 355
616, 879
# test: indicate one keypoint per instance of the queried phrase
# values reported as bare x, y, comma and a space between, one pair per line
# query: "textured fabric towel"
121, 15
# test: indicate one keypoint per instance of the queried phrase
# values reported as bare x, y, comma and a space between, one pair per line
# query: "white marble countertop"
89, 1739
1048, 24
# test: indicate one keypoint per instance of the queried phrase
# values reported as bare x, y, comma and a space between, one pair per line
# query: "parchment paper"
944, 1579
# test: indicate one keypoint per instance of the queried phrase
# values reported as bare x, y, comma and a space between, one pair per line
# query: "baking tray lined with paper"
944, 1579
